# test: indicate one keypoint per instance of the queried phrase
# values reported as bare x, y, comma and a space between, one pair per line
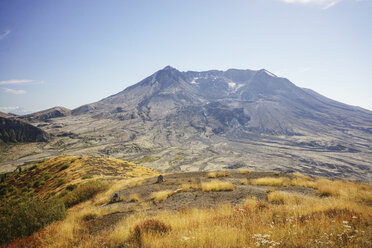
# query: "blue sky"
72, 52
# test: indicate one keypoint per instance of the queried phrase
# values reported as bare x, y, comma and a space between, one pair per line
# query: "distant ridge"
47, 114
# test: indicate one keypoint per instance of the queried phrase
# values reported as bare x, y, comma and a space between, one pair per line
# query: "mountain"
175, 120
227, 101
47, 114
19, 131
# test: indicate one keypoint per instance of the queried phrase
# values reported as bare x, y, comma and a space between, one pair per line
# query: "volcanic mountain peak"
254, 101
223, 119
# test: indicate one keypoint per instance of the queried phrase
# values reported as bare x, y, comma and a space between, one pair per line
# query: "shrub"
71, 187
217, 185
64, 167
84, 192
38, 183
87, 176
26, 215
60, 182
154, 227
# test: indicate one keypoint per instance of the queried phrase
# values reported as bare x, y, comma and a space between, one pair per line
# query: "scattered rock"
160, 179
115, 198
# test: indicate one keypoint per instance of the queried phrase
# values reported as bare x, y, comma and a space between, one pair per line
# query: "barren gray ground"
194, 198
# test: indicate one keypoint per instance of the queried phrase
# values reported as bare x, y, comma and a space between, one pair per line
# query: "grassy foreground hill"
190, 209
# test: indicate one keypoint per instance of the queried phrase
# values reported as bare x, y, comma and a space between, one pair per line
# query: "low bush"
84, 192
26, 215
71, 187
153, 227
87, 176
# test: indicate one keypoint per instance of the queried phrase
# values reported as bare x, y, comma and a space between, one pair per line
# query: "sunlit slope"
53, 175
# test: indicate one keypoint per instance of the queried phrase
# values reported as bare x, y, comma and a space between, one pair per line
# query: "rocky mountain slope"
250, 101
230, 119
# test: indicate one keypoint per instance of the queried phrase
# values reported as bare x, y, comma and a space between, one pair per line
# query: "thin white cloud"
10, 108
325, 4
15, 110
16, 81
5, 34
15, 92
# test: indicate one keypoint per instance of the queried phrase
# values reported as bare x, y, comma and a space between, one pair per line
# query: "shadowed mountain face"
18, 131
230, 119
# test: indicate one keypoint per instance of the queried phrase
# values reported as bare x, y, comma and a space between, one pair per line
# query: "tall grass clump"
217, 185
271, 181
282, 197
161, 195
244, 171
134, 198
189, 186
218, 174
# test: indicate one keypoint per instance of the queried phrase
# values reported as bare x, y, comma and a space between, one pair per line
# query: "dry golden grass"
358, 192
327, 222
282, 197
217, 185
244, 181
244, 171
343, 219
299, 175
250, 202
57, 173
270, 189
134, 198
271, 181
161, 195
212, 175
189, 186
218, 174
